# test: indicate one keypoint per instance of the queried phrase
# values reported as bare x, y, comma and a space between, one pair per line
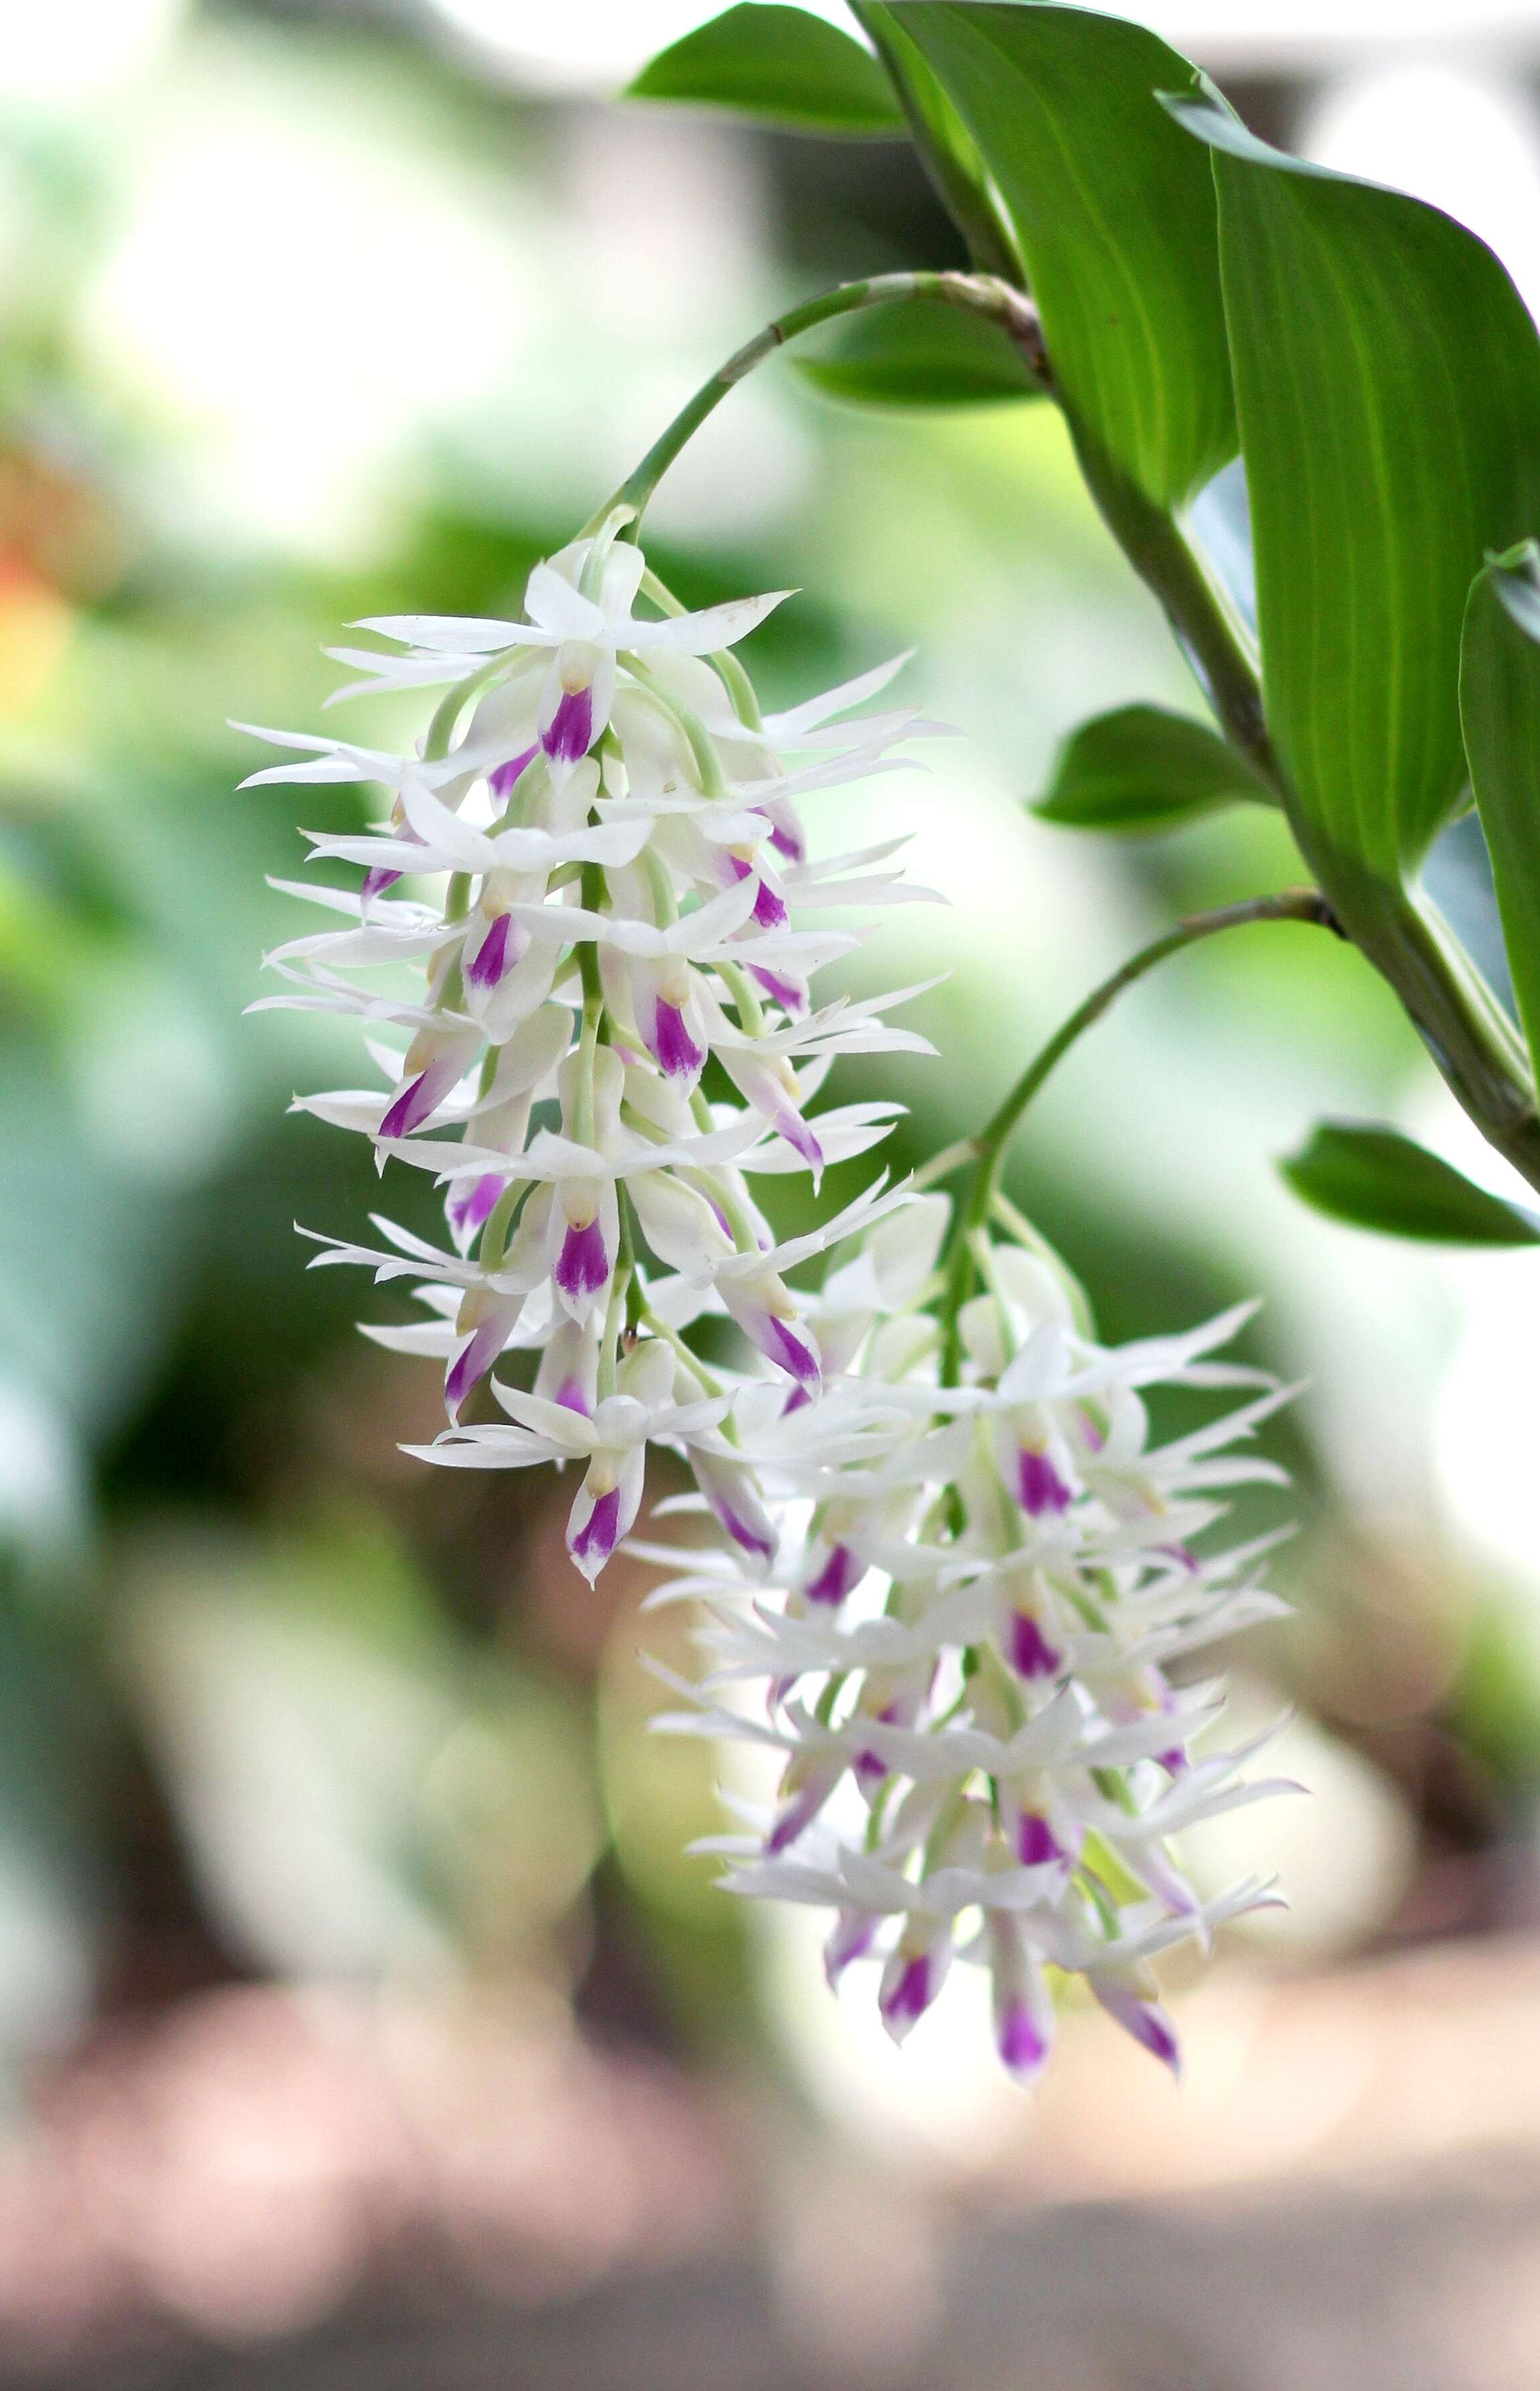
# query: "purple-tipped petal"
798, 1134
569, 734
799, 1812
502, 779
491, 958
794, 1353
673, 1049
840, 1572
908, 1996
769, 911
1022, 2045
1149, 2025
854, 1933
785, 833
471, 1364
745, 1533
582, 1266
1039, 1486
470, 1204
1036, 1843
1032, 1654
599, 1534
787, 993
411, 1107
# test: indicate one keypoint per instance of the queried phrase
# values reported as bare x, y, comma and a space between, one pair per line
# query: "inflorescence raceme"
958, 1587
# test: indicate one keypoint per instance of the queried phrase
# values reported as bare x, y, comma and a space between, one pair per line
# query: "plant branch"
986, 1149
982, 294
1152, 541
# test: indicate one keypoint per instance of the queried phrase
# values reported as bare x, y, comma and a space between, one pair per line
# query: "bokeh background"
359, 2014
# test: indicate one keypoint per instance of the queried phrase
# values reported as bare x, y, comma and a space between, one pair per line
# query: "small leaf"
1500, 709
1375, 1177
921, 355
1143, 768
1387, 384
1114, 228
780, 66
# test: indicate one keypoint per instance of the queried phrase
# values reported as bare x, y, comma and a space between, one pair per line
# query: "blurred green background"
307, 314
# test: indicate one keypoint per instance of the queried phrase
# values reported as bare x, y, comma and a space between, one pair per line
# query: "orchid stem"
981, 294
987, 1150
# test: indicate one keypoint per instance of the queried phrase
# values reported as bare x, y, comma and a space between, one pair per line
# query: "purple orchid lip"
600, 1532
1022, 2048
582, 1266
744, 1533
799, 1812
491, 958
910, 1996
793, 1353
411, 1107
1032, 1654
1150, 2029
376, 881
785, 841
845, 1944
571, 1397
569, 734
1039, 1486
783, 991
799, 1136
469, 1207
1175, 1761
769, 911
839, 1573
504, 778
470, 1366
673, 1049
1036, 1843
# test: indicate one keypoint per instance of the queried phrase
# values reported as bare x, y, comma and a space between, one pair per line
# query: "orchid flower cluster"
941, 1536
964, 1633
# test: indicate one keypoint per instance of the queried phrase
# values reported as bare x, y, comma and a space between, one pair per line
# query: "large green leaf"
1113, 218
946, 150
1388, 383
1500, 706
780, 66
1376, 1179
921, 356
1143, 768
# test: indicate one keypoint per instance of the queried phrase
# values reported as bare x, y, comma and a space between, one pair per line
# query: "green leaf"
1112, 216
780, 66
1388, 383
1500, 708
947, 150
921, 356
1143, 768
1376, 1179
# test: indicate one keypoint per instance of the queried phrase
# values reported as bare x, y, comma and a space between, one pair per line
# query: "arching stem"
981, 294
987, 1150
